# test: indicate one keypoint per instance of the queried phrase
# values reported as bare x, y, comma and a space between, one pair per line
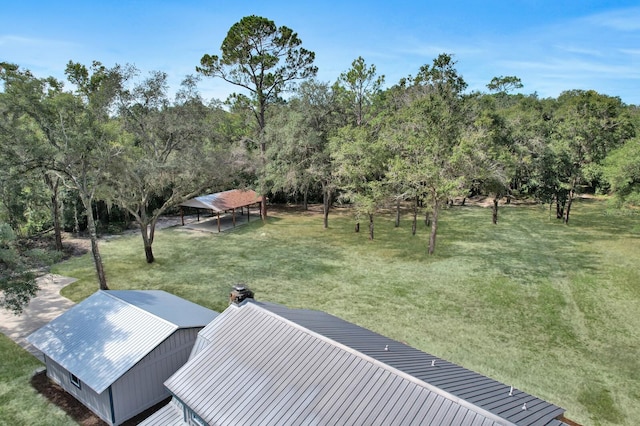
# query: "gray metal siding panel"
143, 385
98, 403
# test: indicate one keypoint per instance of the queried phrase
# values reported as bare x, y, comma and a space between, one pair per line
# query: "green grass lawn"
550, 309
20, 404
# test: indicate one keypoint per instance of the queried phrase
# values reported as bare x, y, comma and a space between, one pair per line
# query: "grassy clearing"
20, 404
551, 309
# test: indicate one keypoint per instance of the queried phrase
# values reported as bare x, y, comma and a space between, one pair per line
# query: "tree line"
111, 140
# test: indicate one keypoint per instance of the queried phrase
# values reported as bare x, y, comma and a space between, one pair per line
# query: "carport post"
233, 213
182, 215
218, 221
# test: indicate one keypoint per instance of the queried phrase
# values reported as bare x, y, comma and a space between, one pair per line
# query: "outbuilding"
223, 202
114, 350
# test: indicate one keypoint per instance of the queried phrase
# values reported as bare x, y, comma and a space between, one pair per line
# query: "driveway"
47, 305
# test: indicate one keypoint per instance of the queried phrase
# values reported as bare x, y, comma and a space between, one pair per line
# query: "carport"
223, 202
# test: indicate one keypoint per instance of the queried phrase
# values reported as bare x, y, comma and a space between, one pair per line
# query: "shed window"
74, 380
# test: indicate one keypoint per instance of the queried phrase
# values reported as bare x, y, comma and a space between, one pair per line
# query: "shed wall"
143, 385
98, 403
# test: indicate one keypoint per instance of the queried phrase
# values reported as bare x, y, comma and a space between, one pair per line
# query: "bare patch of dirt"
74, 245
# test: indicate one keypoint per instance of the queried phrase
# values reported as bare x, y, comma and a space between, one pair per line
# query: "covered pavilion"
222, 202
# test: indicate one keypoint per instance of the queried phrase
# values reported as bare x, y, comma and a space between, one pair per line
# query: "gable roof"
479, 390
102, 337
223, 201
264, 369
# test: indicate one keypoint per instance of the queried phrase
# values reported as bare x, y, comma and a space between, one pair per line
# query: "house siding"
139, 388
98, 403
142, 386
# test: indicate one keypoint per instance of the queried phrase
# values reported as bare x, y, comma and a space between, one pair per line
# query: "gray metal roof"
169, 415
264, 369
102, 337
176, 310
480, 390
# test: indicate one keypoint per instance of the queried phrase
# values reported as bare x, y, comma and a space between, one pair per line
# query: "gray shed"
252, 365
114, 350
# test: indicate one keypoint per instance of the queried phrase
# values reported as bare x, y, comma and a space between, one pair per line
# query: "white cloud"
626, 20
17, 42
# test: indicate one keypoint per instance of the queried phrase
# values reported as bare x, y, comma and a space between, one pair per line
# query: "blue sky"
552, 45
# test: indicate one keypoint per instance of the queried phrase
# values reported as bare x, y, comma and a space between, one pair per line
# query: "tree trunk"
565, 219
357, 227
76, 222
305, 202
95, 251
370, 226
414, 223
57, 231
326, 203
495, 211
569, 201
560, 204
54, 184
464, 200
148, 242
263, 208
434, 227
397, 213
427, 222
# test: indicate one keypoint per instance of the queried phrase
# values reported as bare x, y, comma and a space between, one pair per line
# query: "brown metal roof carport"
222, 202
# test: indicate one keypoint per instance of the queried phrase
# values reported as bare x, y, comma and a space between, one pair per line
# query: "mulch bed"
58, 396
74, 408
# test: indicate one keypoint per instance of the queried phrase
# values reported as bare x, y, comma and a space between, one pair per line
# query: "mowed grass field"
550, 309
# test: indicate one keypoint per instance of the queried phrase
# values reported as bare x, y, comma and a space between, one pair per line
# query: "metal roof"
169, 415
223, 201
264, 369
461, 382
102, 337
176, 310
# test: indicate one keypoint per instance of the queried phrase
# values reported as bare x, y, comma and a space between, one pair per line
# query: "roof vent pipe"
239, 293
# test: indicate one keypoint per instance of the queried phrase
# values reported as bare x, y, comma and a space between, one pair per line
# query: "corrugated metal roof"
169, 415
102, 337
264, 369
223, 201
176, 310
461, 382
